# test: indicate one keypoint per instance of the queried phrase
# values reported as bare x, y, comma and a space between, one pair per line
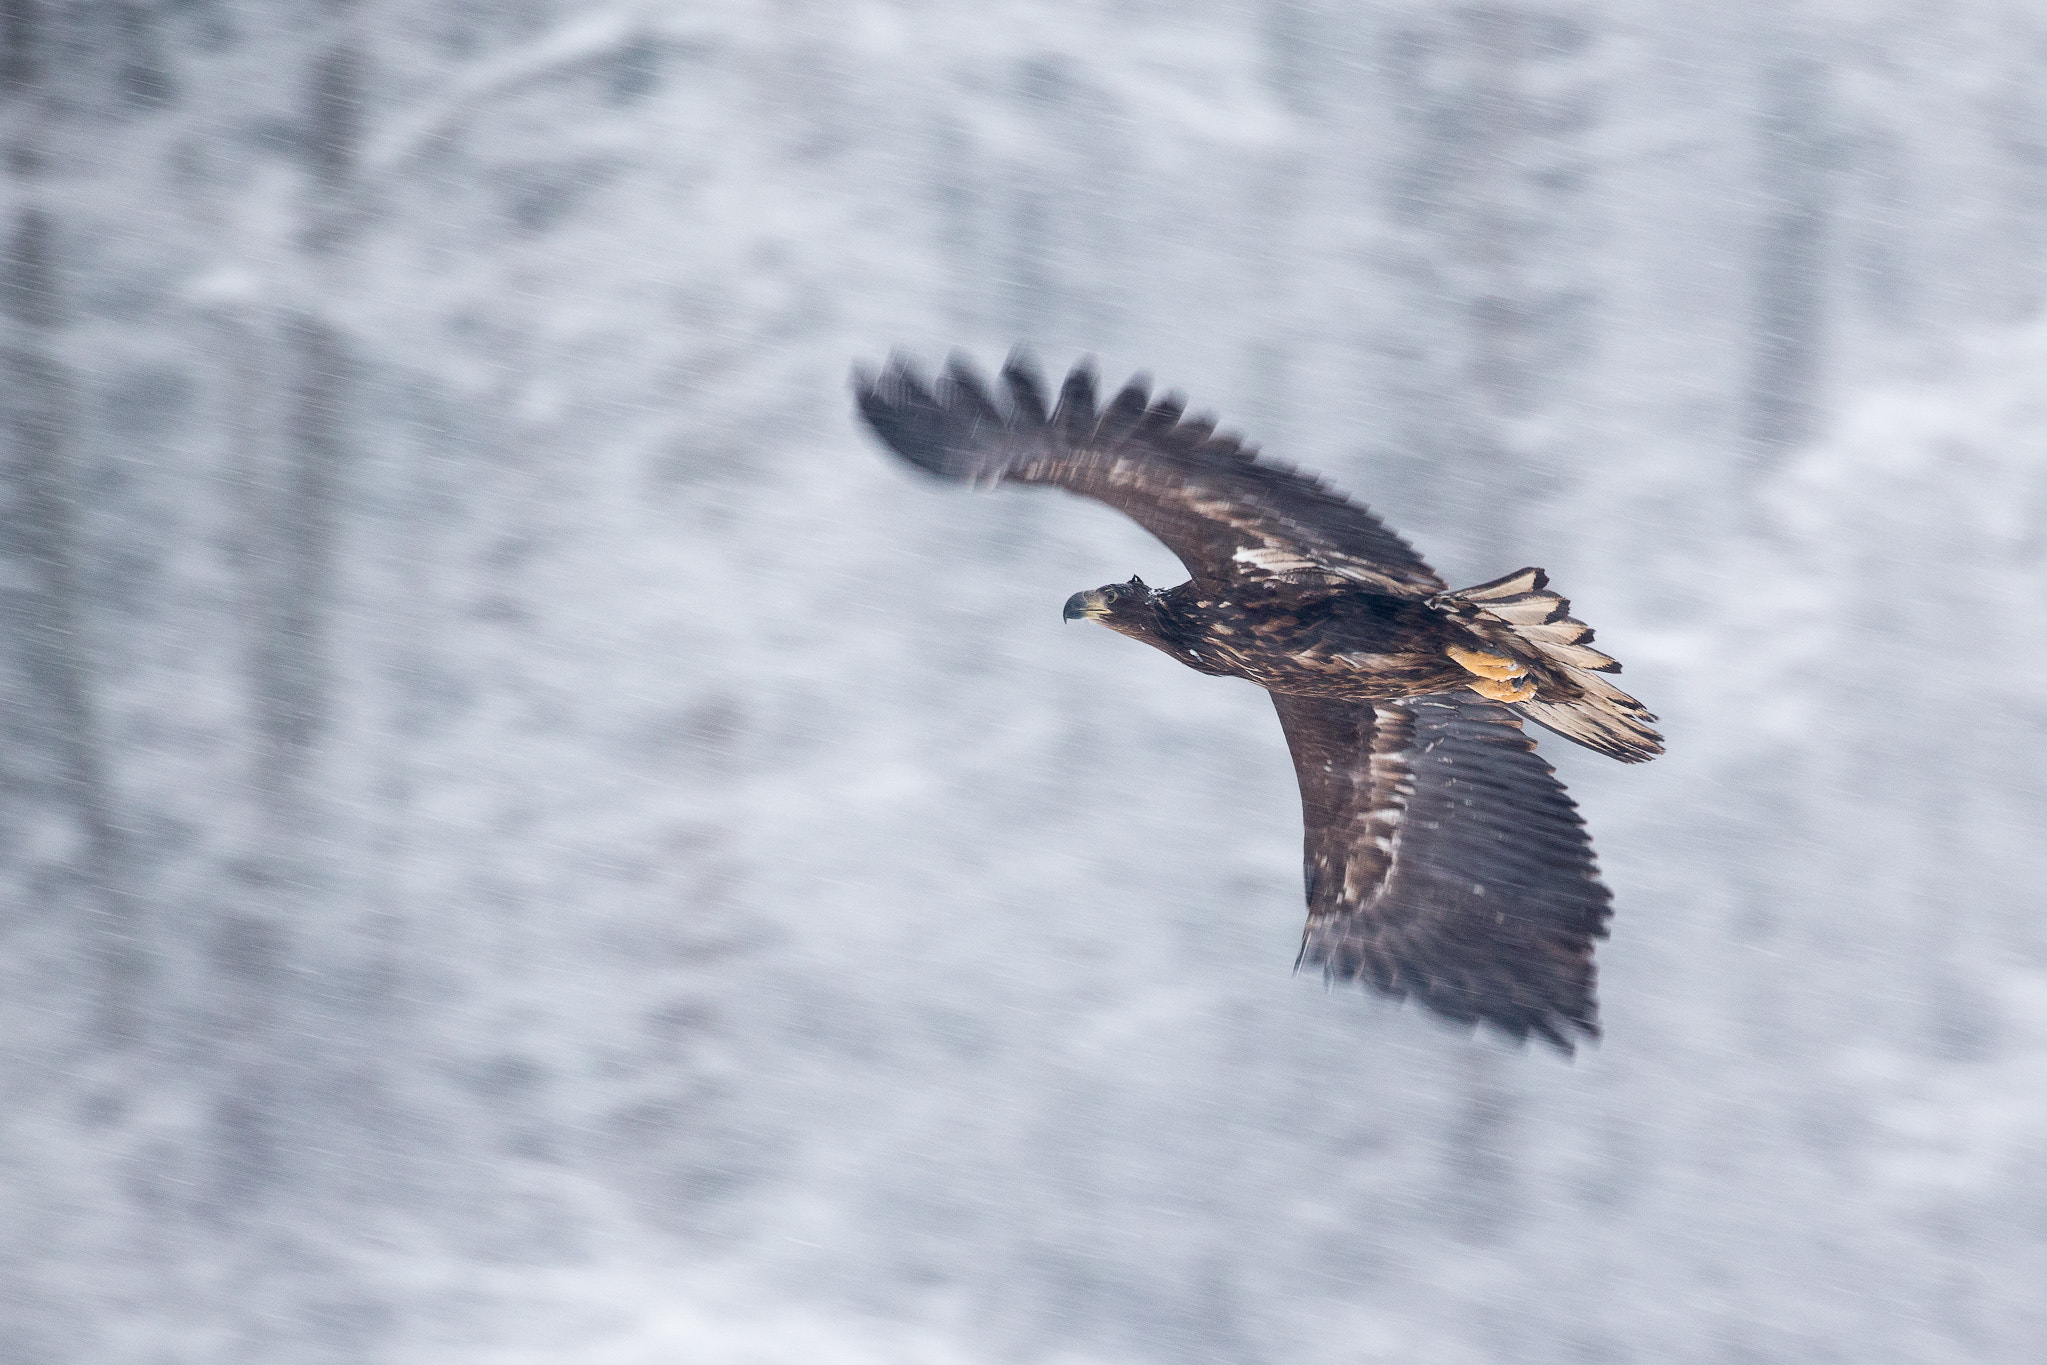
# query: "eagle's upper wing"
1445, 862
1229, 516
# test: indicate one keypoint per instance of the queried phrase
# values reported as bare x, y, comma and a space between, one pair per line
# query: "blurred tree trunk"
52, 615
1490, 197
1788, 312
292, 671
292, 475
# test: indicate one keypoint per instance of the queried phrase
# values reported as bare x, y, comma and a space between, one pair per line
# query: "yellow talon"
1484, 664
1501, 689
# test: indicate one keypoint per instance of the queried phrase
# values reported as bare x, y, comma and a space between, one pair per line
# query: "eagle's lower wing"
1230, 517
1445, 862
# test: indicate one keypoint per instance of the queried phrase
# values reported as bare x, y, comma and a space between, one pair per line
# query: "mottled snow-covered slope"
624, 872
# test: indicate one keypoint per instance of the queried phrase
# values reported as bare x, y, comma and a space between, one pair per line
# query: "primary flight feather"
1443, 859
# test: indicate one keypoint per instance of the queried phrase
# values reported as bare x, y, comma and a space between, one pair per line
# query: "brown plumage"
1443, 859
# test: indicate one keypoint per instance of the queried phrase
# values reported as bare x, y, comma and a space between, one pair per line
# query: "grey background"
524, 839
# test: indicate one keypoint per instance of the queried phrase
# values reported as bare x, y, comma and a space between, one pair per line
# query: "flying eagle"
1443, 859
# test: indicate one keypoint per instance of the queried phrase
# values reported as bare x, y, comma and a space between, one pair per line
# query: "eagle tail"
1572, 697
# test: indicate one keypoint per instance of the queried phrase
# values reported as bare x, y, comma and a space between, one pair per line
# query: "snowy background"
524, 839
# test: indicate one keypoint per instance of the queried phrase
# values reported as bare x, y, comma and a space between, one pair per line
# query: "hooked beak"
1085, 604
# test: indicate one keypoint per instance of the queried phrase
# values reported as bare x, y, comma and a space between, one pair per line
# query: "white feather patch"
1274, 560
1514, 586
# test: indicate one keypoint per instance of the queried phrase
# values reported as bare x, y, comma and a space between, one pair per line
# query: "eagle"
1444, 862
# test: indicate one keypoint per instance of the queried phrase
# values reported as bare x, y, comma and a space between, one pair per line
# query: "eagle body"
1442, 859
1353, 645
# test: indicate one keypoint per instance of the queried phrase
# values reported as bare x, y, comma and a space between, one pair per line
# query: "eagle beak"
1085, 604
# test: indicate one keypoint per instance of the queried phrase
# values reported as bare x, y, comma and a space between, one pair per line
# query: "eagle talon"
1504, 689
1484, 663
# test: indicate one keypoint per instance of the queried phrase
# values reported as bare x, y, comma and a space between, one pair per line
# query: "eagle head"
1105, 604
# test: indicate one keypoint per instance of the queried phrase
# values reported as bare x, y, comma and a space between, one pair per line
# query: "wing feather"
1230, 517
1445, 862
